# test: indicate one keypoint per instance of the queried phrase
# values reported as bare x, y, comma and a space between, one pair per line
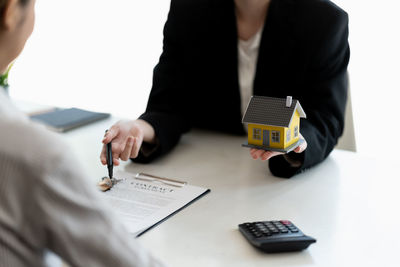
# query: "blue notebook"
62, 120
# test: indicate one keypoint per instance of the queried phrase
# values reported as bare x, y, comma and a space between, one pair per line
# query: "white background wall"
94, 54
99, 55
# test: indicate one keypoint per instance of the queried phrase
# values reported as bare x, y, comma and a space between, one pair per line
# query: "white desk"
348, 203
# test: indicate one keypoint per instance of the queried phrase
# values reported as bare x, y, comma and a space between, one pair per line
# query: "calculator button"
284, 231
285, 222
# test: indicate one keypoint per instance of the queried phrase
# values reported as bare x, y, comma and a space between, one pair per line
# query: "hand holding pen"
127, 138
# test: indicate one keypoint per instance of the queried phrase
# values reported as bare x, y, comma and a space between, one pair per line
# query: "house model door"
266, 138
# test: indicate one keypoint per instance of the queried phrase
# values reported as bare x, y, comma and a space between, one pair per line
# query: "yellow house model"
273, 123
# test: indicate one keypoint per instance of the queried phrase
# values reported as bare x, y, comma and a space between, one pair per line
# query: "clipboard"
144, 200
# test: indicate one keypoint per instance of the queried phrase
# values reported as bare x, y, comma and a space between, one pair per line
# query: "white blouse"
248, 55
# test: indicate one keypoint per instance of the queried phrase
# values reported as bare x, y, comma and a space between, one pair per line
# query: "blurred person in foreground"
46, 202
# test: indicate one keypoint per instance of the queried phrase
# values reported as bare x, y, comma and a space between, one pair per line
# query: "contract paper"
142, 204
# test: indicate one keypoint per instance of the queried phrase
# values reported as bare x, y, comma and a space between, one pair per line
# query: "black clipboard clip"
153, 178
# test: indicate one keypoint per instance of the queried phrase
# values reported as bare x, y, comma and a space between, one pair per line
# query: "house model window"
275, 137
257, 134
271, 122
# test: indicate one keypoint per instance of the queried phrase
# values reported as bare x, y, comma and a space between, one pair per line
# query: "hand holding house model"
273, 123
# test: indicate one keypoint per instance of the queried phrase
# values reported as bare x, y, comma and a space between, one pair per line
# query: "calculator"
275, 236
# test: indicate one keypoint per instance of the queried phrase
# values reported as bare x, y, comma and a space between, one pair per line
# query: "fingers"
111, 134
137, 144
301, 147
103, 158
118, 147
119, 144
266, 155
125, 155
256, 153
270, 154
263, 154
298, 149
131, 149
108, 137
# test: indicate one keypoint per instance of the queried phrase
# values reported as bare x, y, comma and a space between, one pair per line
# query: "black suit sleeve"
323, 97
167, 109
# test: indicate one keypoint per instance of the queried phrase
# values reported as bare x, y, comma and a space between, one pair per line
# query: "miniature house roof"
271, 111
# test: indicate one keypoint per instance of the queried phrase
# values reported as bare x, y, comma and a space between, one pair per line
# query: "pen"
109, 156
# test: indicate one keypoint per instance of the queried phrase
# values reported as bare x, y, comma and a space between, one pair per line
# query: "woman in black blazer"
303, 53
